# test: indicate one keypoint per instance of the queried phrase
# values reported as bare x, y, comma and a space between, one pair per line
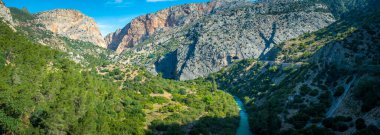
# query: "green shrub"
370, 130
368, 92
299, 120
339, 91
328, 122
305, 90
314, 93
273, 69
360, 124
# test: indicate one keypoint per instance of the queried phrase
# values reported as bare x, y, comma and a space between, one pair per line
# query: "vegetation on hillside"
43, 92
85, 53
298, 91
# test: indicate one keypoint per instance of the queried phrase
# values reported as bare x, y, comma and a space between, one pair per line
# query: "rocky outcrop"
143, 27
5, 14
72, 24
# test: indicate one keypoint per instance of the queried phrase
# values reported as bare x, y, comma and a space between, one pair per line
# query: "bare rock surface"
5, 14
72, 24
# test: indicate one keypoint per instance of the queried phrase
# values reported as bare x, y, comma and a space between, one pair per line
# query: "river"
244, 124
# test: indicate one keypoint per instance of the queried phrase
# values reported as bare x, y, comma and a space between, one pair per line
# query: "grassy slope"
42, 92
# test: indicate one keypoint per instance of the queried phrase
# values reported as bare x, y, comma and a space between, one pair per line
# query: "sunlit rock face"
72, 24
5, 14
142, 27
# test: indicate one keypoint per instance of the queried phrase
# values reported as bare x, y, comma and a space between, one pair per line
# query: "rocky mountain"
299, 66
142, 27
72, 24
5, 14
231, 32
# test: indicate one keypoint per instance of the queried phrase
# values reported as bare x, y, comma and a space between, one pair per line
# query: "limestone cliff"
5, 14
72, 24
229, 33
143, 27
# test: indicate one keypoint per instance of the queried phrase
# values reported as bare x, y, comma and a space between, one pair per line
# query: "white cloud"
159, 0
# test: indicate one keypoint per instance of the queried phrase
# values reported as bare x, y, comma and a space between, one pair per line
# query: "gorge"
264, 67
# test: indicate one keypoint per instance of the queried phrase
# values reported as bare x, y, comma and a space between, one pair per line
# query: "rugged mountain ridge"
239, 31
83, 52
142, 27
72, 24
5, 14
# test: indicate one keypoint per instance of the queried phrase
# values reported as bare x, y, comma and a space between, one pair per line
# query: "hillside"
72, 24
321, 82
40, 88
43, 92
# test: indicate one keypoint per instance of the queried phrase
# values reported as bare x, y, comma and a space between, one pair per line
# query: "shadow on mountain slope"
167, 65
268, 42
205, 125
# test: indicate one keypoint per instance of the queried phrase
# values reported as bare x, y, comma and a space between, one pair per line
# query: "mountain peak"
72, 24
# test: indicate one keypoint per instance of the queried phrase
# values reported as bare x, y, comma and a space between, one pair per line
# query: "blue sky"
109, 14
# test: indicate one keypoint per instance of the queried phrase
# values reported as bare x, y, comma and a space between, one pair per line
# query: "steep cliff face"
315, 80
234, 32
143, 27
5, 14
242, 34
72, 24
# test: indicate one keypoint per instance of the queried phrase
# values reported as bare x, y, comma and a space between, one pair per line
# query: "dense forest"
43, 92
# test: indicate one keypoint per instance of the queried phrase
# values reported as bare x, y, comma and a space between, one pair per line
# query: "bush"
340, 126
298, 99
119, 77
339, 91
314, 93
343, 118
299, 120
325, 98
339, 123
273, 69
360, 124
370, 130
314, 130
304, 90
328, 122
116, 71
368, 92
